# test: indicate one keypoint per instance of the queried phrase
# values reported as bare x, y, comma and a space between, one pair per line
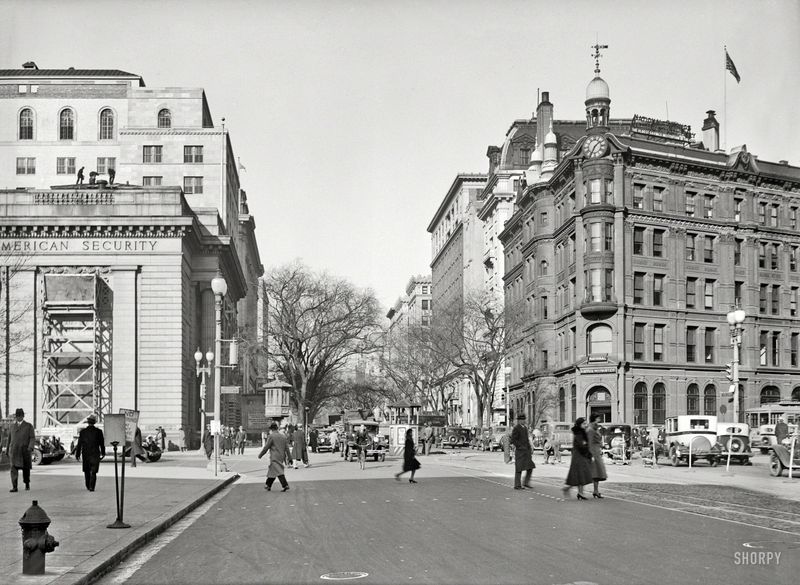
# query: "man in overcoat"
92, 445
299, 448
241, 439
21, 443
276, 446
522, 453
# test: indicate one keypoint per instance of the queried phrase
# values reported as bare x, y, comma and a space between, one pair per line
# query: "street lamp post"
220, 289
735, 320
508, 396
203, 372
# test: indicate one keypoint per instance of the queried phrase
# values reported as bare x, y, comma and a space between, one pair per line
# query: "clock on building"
595, 146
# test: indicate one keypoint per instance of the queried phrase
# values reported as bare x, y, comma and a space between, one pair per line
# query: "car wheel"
764, 451
36, 457
673, 456
775, 466
713, 461
59, 457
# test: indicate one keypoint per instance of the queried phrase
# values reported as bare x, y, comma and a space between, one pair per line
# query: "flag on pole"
731, 67
240, 165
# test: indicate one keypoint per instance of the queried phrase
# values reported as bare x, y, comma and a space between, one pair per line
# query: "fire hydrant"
36, 542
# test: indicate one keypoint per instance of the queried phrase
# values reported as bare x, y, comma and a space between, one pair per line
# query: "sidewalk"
156, 496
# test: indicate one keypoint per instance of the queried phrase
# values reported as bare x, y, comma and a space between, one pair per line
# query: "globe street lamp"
735, 320
202, 372
220, 289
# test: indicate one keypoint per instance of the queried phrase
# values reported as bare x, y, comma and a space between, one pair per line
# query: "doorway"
598, 401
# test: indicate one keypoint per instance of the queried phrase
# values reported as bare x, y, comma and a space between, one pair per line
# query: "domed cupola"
533, 173
598, 97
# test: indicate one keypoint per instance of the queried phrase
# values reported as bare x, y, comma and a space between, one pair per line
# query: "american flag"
731, 67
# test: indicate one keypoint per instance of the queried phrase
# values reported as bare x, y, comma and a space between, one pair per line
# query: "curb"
96, 571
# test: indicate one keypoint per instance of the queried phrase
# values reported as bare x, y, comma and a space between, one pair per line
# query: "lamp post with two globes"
735, 320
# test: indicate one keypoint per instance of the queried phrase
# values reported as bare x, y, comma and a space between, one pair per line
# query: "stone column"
124, 339
206, 336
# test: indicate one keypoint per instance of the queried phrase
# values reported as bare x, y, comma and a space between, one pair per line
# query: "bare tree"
417, 369
474, 336
316, 324
15, 310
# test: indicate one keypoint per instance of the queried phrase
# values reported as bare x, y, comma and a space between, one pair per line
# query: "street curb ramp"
95, 567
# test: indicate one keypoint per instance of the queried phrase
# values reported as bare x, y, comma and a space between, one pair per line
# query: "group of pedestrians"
586, 465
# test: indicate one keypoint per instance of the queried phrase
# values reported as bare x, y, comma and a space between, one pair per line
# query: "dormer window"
164, 119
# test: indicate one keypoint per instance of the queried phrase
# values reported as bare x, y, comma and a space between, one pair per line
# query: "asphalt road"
456, 526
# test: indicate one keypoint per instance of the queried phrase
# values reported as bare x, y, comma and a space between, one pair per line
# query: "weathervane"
597, 46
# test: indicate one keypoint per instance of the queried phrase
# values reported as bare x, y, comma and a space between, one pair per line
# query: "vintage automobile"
695, 434
766, 438
616, 441
456, 437
733, 439
489, 440
780, 457
47, 449
324, 441
561, 430
377, 446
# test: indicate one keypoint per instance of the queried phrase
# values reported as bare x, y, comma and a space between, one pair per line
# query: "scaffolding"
76, 352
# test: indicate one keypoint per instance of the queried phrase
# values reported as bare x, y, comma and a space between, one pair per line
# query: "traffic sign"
229, 389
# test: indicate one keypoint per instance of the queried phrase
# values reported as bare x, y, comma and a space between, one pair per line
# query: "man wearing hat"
92, 445
20, 447
522, 453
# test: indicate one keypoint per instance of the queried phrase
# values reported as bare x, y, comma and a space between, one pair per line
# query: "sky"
352, 118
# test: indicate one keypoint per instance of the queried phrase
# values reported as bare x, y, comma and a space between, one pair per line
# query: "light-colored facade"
629, 253
61, 121
115, 287
457, 267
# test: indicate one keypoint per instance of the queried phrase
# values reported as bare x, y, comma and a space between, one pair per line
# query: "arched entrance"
598, 401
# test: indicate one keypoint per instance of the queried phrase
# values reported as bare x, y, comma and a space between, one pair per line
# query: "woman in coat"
596, 449
410, 462
580, 467
137, 450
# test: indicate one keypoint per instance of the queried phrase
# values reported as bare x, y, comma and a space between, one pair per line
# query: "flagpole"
725, 98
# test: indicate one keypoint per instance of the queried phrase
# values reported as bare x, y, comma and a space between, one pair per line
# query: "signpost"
114, 433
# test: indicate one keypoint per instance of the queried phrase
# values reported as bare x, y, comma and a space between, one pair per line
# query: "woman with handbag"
580, 467
410, 462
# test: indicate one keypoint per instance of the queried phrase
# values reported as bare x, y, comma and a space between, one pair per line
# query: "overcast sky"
352, 118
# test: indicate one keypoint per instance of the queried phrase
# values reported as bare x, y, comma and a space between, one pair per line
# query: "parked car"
47, 449
692, 433
616, 441
780, 457
734, 439
766, 438
490, 439
561, 430
456, 437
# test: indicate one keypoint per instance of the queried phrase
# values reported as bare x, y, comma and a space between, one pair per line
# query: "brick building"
628, 254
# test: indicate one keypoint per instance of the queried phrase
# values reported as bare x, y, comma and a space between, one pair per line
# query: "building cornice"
460, 179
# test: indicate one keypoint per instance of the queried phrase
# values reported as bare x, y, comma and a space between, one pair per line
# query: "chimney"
544, 115
711, 132
29, 65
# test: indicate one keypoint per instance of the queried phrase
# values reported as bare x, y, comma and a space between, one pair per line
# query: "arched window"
106, 125
796, 394
573, 399
562, 405
693, 399
659, 404
770, 394
26, 124
66, 125
164, 118
640, 404
710, 400
599, 339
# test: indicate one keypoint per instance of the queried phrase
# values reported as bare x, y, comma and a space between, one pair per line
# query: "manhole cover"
343, 576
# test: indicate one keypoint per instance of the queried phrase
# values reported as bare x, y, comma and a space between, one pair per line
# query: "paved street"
463, 524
